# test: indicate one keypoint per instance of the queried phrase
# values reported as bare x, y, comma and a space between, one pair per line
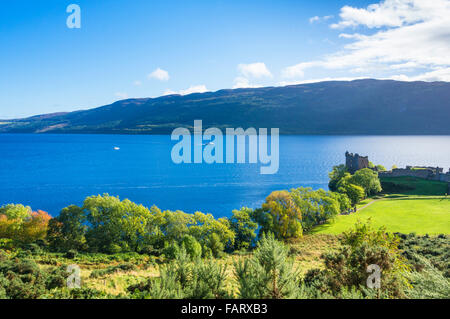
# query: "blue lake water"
50, 172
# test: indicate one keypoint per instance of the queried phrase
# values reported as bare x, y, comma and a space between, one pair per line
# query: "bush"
347, 267
71, 254
429, 283
184, 278
215, 245
23, 279
170, 251
114, 249
192, 246
269, 273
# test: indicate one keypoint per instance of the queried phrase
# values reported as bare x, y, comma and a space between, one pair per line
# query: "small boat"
116, 148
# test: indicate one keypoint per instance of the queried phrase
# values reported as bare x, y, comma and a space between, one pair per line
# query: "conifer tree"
269, 273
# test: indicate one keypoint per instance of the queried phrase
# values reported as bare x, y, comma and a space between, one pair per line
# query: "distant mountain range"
354, 107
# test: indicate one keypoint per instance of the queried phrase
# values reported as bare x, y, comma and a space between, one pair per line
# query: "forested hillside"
355, 107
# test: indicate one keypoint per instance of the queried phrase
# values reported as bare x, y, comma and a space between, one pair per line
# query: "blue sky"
208, 45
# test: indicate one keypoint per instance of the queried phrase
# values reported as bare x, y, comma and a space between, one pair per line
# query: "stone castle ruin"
354, 162
425, 172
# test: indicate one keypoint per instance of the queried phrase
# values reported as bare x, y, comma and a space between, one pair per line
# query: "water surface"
50, 172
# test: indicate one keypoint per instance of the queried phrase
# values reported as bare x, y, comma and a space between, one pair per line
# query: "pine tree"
269, 273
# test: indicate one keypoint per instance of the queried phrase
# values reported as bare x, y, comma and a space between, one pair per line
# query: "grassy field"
408, 214
415, 206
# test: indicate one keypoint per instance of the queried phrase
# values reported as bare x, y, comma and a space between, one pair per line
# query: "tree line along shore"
126, 250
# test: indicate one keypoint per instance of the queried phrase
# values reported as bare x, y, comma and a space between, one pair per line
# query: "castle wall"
420, 173
354, 162
398, 172
444, 177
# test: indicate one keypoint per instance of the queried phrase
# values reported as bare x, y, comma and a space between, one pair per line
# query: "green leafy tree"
281, 216
354, 192
115, 222
243, 227
337, 173
367, 179
212, 233
16, 211
175, 224
68, 230
316, 206
344, 202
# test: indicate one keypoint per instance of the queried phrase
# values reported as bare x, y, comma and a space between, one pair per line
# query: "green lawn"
413, 186
405, 214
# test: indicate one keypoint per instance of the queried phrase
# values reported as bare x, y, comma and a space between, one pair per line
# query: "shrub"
361, 247
429, 283
184, 278
23, 279
71, 254
192, 246
269, 273
215, 245
170, 251
113, 249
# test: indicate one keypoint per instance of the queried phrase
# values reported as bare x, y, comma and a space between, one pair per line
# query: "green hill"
355, 107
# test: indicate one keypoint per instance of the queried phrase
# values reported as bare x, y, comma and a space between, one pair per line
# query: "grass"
308, 249
405, 214
412, 205
413, 186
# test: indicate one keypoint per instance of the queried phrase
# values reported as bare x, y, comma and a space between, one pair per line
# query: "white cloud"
121, 95
242, 82
298, 69
436, 75
159, 74
192, 89
390, 13
254, 70
411, 34
314, 19
284, 83
318, 19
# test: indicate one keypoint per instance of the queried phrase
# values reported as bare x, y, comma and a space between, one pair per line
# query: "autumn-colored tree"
22, 225
283, 214
35, 227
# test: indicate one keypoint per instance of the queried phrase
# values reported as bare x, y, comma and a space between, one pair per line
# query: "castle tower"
355, 162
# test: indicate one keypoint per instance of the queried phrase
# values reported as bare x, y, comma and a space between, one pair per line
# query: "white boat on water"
116, 148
